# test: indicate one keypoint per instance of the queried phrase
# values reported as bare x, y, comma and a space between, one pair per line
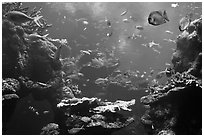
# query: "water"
131, 53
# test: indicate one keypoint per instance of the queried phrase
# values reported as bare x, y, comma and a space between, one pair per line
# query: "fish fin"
165, 15
36, 20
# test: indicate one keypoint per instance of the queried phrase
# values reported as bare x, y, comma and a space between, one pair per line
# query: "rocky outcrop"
189, 47
30, 67
176, 108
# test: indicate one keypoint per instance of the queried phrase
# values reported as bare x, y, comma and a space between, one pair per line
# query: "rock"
189, 46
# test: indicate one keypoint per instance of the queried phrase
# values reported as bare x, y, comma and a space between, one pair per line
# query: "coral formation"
32, 66
176, 108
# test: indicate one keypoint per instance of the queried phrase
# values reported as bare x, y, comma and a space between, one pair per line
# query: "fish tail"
165, 15
36, 20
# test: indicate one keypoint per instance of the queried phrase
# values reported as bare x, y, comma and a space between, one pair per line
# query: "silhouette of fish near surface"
157, 18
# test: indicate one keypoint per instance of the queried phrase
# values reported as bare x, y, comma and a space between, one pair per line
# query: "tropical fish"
157, 18
142, 76
85, 22
108, 23
123, 13
98, 62
84, 51
185, 22
167, 64
139, 27
170, 40
126, 20
153, 44
81, 19
35, 37
101, 80
156, 50
152, 72
19, 17
109, 34
169, 32
85, 119
75, 130
33, 110
174, 5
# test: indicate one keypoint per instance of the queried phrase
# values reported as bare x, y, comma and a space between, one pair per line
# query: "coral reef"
32, 66
176, 107
189, 47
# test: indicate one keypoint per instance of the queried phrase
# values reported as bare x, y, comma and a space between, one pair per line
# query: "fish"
109, 34
139, 27
126, 20
169, 32
19, 18
46, 112
158, 18
152, 44
145, 72
85, 22
170, 40
123, 13
101, 80
57, 53
167, 64
75, 130
33, 110
86, 52
156, 51
43, 84
185, 22
142, 76
152, 72
35, 37
108, 23
145, 45
174, 5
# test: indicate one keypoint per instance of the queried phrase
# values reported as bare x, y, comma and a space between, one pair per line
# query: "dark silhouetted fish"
19, 17
157, 18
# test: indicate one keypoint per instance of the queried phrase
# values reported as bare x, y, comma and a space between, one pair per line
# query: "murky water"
67, 20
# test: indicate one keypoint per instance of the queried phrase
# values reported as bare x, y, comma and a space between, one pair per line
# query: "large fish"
19, 17
157, 18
